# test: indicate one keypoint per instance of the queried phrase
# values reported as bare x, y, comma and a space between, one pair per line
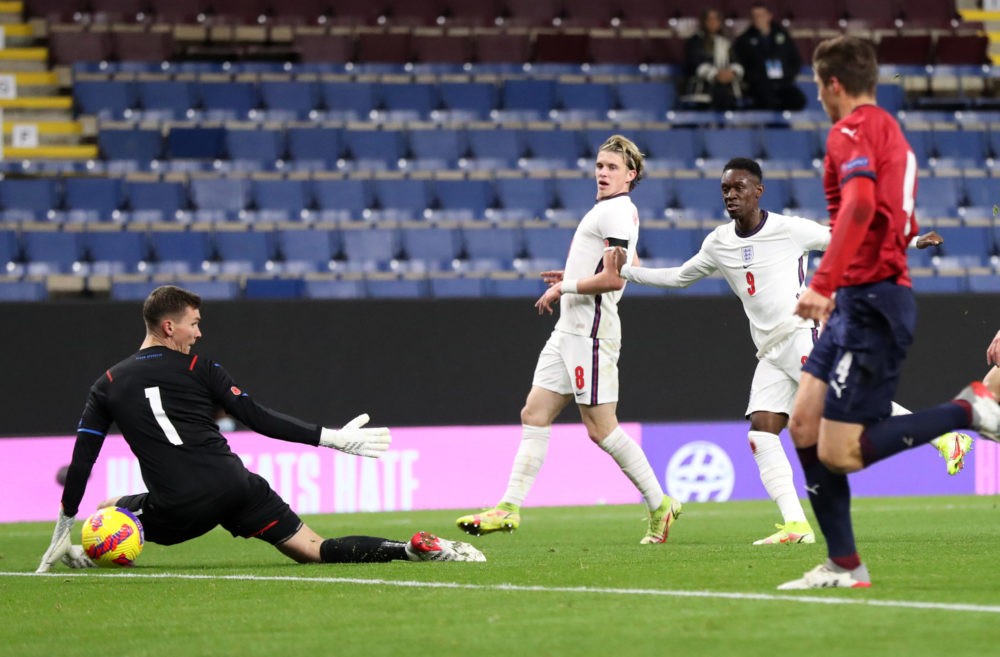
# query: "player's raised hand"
547, 301
354, 439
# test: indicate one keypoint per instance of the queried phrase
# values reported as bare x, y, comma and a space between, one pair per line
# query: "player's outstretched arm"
928, 239
353, 439
61, 549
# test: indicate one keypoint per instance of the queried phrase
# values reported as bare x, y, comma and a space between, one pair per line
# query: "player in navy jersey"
840, 420
163, 399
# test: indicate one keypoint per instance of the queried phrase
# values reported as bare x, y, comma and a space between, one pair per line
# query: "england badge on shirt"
747, 256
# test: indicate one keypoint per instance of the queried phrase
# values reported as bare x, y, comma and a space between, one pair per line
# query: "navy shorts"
250, 509
861, 350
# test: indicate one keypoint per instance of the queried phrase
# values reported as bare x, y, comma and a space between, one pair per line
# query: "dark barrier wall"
441, 362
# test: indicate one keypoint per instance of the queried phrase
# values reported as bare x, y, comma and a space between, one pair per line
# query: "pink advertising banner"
426, 468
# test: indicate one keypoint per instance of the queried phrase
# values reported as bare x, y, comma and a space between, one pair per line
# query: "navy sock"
830, 496
361, 549
895, 434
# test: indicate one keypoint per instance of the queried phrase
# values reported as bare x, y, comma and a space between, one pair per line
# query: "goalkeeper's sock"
632, 460
530, 457
895, 434
361, 549
776, 474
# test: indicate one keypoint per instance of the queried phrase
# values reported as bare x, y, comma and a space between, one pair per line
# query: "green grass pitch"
571, 581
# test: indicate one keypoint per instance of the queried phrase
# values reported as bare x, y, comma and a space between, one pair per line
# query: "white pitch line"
666, 593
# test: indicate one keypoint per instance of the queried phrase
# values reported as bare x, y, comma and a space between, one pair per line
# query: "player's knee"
803, 433
836, 460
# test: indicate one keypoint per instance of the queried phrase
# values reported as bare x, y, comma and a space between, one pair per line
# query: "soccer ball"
112, 537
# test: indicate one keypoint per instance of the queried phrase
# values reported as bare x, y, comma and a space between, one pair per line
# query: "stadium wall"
442, 363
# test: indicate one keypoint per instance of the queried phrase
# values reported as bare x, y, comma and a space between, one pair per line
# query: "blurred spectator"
772, 62
713, 77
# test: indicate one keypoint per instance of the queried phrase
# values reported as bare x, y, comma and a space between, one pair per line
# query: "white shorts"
776, 379
577, 365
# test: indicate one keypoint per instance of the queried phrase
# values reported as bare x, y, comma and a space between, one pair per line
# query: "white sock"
899, 410
633, 462
530, 457
776, 474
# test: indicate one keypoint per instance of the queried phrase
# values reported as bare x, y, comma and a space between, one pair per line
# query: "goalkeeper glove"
352, 439
61, 549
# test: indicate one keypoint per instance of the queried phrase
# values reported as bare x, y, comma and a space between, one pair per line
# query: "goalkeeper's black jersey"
164, 403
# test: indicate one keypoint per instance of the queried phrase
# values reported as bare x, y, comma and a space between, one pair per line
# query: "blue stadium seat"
706, 287
255, 149
789, 148
524, 198
115, 252
960, 149
984, 283
341, 199
307, 250
131, 290
463, 199
228, 100
727, 143
468, 100
274, 288
891, 97
777, 195
279, 200
93, 199
349, 101
28, 199
549, 243
699, 193
155, 201
288, 100
105, 99
180, 252
396, 288
455, 288
673, 244
530, 98
23, 291
921, 142
531, 287
51, 251
411, 101
316, 147
971, 245
370, 248
554, 149
219, 199
334, 289
214, 290
979, 192
198, 143
941, 284
808, 194
375, 149
244, 251
938, 196
676, 148
493, 244
652, 196
495, 148
584, 101
645, 101
402, 198
576, 195
166, 99
134, 144
437, 148
10, 250
434, 247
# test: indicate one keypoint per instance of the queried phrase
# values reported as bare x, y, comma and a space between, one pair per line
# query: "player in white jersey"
580, 360
763, 256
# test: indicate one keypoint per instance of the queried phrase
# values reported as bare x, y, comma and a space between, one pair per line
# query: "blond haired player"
763, 257
580, 360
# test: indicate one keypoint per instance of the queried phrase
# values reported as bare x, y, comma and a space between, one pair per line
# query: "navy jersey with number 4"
164, 403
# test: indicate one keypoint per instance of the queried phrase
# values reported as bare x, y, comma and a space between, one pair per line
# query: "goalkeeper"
163, 399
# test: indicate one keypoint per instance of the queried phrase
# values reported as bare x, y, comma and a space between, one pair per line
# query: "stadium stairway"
38, 122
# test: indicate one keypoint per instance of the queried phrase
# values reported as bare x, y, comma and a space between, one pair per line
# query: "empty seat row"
360, 101
531, 13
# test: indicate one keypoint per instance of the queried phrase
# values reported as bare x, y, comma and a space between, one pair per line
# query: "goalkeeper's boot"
660, 521
503, 517
953, 447
830, 575
425, 546
791, 532
985, 410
